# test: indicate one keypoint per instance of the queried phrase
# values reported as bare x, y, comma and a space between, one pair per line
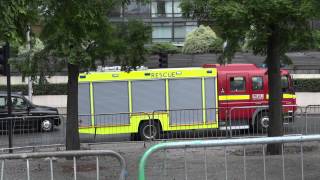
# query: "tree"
162, 50
33, 62
128, 48
271, 26
76, 33
15, 16
70, 29
202, 40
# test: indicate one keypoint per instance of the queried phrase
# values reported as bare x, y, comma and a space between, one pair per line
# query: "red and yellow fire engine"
146, 102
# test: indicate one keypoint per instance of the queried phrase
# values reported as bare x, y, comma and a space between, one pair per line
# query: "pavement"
182, 164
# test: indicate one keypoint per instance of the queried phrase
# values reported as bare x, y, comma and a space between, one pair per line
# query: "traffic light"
163, 60
4, 55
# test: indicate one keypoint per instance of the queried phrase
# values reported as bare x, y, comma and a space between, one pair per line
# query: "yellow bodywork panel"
233, 97
136, 118
151, 74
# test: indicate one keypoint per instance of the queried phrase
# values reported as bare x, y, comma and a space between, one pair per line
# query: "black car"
26, 115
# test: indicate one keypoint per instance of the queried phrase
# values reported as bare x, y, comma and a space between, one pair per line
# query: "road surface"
30, 138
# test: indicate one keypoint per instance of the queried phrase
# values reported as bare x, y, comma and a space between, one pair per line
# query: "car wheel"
46, 125
149, 130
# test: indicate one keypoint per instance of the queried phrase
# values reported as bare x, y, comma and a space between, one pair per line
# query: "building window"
162, 31
161, 8
179, 31
158, 8
137, 9
177, 9
164, 8
237, 84
257, 83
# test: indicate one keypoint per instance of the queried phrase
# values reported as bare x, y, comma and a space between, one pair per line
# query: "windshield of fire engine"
285, 84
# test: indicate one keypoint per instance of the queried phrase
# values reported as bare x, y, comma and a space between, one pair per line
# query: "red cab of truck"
243, 94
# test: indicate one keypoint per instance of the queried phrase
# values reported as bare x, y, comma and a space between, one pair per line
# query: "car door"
238, 95
3, 112
258, 90
223, 103
19, 110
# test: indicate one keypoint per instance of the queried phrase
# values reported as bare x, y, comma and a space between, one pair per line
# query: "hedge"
306, 85
47, 89
300, 85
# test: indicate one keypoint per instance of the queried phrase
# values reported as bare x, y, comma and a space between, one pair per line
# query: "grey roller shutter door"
148, 96
84, 109
185, 94
210, 89
111, 98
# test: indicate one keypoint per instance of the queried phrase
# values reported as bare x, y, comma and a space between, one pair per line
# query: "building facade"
165, 17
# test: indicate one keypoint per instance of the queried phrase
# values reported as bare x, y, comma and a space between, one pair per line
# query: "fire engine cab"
241, 86
150, 101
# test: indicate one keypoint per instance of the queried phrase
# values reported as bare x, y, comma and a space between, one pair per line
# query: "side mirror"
291, 90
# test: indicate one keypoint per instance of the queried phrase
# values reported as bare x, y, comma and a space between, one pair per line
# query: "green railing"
216, 143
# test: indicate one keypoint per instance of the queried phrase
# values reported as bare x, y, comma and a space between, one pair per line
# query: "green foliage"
202, 40
78, 32
310, 42
73, 28
27, 60
128, 46
165, 48
306, 85
15, 16
46, 89
316, 35
255, 21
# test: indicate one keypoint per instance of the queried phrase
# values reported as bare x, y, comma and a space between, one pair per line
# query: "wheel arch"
152, 120
257, 112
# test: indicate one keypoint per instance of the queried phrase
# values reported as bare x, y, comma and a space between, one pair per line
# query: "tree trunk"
275, 93
72, 132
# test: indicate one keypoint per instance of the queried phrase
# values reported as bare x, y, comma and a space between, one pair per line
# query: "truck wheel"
46, 125
149, 130
262, 122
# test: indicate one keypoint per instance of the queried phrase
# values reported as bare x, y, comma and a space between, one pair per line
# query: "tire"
262, 122
46, 125
149, 130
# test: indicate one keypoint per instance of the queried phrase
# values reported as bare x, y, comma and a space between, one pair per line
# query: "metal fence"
165, 125
187, 123
242, 121
7, 172
112, 127
33, 131
233, 159
256, 117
